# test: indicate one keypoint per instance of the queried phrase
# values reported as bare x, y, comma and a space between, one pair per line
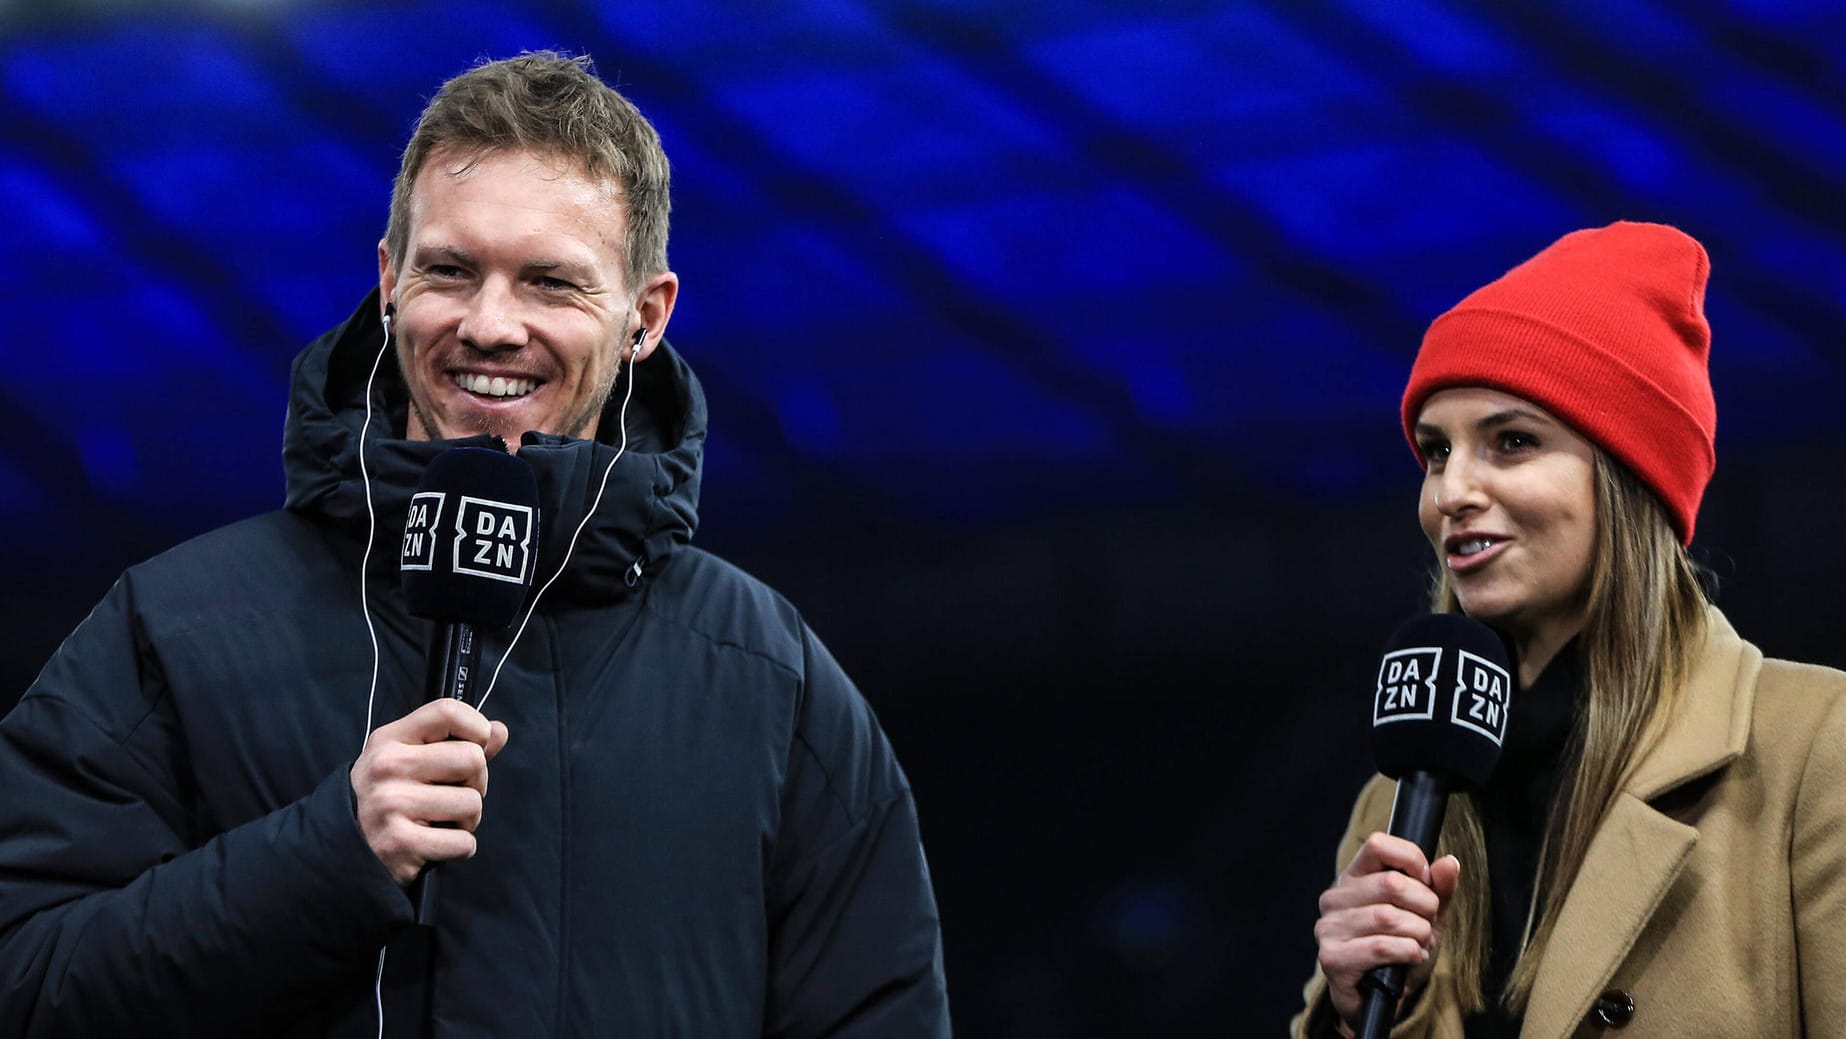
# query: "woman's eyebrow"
1498, 418
1506, 415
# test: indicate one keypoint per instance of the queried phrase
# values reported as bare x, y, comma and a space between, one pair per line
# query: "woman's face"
1509, 503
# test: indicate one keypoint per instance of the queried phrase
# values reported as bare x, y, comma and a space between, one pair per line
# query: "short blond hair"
552, 105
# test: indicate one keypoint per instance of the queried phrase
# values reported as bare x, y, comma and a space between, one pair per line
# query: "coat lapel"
1633, 860
1638, 851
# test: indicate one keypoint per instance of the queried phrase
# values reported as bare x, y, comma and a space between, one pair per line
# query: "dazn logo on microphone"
1406, 685
1481, 688
493, 539
420, 531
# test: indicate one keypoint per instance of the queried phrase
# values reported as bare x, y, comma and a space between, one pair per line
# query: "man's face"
512, 304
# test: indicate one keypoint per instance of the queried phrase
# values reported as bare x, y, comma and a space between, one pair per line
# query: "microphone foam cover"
1440, 705
471, 538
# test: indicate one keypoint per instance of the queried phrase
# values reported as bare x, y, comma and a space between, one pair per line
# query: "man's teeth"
1473, 546
495, 386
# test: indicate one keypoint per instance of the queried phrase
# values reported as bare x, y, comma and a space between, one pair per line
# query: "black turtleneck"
1515, 808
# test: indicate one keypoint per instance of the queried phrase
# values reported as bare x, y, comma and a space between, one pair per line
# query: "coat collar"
647, 511
1712, 723
1639, 851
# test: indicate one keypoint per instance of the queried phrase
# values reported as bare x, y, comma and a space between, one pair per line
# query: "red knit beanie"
1606, 330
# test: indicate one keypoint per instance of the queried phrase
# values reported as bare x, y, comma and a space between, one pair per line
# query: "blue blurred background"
1053, 352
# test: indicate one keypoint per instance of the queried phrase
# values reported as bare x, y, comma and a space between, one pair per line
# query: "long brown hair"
1643, 622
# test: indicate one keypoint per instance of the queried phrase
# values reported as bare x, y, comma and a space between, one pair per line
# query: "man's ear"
387, 278
653, 309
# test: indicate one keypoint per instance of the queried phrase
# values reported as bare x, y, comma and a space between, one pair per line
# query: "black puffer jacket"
696, 829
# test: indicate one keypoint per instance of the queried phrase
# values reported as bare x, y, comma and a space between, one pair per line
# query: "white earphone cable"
371, 530
371, 534
627, 395
371, 696
378, 992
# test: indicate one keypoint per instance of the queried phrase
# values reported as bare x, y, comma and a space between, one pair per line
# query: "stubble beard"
574, 426
598, 402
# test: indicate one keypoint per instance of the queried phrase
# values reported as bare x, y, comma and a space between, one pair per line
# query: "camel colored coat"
1714, 894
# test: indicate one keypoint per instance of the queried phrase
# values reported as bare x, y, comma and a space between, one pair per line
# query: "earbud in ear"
390, 315
634, 349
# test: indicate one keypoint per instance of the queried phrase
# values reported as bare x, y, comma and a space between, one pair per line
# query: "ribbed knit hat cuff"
1598, 394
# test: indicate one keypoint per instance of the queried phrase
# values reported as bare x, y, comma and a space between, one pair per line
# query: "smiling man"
697, 826
509, 281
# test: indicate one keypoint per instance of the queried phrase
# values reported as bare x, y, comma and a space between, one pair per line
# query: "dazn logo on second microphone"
1481, 688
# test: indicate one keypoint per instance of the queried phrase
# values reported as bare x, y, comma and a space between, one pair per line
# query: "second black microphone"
1439, 714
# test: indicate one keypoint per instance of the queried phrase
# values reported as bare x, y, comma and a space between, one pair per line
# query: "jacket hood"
648, 510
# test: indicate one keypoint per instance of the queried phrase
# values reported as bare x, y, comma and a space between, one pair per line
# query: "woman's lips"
1468, 552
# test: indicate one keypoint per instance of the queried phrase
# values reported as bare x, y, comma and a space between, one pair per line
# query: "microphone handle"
1416, 816
453, 647
454, 657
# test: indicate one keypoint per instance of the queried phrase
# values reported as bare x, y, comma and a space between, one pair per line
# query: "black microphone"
470, 546
1438, 721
